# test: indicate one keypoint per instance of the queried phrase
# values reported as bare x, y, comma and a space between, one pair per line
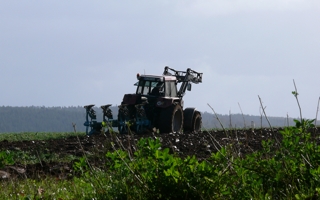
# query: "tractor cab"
156, 86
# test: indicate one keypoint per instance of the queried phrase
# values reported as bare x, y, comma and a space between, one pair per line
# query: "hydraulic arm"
184, 77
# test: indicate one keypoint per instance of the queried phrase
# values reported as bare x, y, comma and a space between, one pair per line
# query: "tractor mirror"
189, 87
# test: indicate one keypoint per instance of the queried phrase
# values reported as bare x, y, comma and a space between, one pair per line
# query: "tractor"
157, 105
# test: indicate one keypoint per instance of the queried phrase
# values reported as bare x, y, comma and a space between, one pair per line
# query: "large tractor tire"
192, 120
171, 119
196, 122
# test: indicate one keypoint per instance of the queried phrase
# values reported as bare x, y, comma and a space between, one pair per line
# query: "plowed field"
200, 144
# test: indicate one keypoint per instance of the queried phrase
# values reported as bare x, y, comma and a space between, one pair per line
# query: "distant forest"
60, 119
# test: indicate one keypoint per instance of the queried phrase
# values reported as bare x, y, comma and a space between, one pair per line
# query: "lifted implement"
157, 104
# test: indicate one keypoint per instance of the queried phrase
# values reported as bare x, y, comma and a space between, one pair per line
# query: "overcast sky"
70, 53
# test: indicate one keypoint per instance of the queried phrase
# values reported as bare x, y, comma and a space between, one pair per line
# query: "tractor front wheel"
196, 122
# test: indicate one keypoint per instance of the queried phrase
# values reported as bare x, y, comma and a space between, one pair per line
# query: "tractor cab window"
157, 88
149, 87
171, 89
143, 87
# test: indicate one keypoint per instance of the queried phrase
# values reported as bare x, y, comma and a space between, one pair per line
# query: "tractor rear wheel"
171, 119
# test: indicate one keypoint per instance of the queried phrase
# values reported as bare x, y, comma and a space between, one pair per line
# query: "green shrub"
6, 158
279, 171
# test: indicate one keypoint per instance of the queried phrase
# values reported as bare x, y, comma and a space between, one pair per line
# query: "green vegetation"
6, 158
37, 136
286, 170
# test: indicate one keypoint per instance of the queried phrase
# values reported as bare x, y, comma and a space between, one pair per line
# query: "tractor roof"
157, 78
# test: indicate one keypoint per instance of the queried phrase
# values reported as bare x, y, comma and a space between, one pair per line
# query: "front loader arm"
184, 77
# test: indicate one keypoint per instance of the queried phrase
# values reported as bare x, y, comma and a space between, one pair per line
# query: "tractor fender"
188, 116
164, 102
130, 99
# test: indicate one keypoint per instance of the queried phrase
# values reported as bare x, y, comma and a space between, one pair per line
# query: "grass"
28, 136
33, 156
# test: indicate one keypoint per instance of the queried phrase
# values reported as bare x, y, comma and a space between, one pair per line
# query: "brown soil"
200, 144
